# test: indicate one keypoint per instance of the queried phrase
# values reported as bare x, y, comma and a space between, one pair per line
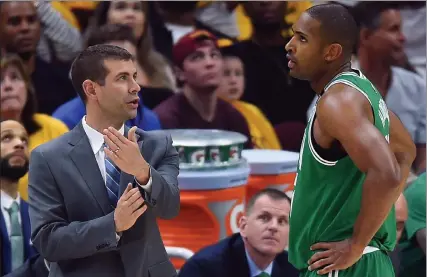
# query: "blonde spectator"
156, 70
18, 103
231, 89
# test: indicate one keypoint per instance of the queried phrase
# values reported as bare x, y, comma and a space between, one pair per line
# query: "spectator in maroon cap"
198, 65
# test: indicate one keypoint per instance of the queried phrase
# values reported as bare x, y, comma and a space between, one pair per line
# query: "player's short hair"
89, 65
337, 25
112, 32
272, 193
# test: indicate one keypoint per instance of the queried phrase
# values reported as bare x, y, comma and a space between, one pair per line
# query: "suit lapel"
240, 266
26, 229
277, 270
5, 245
282, 267
84, 159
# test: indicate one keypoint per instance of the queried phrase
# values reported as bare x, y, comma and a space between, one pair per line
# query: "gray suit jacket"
72, 222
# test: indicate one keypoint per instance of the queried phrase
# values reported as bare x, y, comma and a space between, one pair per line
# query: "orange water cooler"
211, 205
270, 168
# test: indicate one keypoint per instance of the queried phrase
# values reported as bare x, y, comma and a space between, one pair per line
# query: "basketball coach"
96, 191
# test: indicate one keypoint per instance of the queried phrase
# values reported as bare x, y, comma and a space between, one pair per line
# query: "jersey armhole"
329, 156
332, 155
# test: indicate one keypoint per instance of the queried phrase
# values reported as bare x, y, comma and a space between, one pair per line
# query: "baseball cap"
189, 43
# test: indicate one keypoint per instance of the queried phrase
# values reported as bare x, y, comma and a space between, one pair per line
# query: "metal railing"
179, 252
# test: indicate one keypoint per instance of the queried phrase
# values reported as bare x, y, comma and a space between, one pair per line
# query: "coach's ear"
89, 88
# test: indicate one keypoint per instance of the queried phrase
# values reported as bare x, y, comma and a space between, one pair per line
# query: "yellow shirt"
262, 132
50, 129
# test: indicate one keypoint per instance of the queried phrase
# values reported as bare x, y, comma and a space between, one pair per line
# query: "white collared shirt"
96, 140
254, 270
6, 203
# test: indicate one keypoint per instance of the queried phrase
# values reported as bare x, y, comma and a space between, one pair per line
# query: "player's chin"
294, 73
298, 75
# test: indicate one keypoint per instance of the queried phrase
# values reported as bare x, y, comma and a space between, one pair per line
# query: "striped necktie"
112, 181
16, 237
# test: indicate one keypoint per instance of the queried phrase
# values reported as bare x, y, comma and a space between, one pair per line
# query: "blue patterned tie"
112, 181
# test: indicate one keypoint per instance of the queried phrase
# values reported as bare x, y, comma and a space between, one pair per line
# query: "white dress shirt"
6, 203
96, 140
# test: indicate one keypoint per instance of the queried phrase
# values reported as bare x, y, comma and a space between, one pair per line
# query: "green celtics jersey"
328, 194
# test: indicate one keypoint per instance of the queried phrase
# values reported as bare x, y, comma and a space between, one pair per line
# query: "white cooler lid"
271, 162
213, 180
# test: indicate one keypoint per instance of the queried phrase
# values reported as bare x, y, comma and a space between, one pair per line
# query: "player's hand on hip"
124, 152
338, 255
129, 208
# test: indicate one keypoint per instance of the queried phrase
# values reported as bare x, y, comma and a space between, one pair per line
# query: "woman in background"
18, 103
156, 76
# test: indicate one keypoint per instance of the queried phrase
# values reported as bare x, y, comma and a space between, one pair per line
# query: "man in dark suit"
96, 191
257, 250
15, 231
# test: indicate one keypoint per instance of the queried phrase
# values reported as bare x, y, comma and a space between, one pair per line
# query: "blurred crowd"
238, 82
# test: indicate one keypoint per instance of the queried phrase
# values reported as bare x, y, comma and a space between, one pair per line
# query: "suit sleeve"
52, 234
164, 197
33, 267
192, 268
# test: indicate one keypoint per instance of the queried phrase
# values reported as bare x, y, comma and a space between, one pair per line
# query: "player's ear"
333, 52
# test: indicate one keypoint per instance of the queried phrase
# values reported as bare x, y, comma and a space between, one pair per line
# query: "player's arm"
346, 115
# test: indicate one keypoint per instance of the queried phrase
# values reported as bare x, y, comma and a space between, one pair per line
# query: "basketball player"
354, 158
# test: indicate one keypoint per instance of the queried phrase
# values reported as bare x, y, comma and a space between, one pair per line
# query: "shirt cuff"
147, 186
118, 236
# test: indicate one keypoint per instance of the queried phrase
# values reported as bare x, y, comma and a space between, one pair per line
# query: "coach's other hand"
129, 208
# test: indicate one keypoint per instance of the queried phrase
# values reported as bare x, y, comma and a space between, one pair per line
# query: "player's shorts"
372, 264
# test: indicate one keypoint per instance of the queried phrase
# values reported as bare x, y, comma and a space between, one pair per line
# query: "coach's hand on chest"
125, 153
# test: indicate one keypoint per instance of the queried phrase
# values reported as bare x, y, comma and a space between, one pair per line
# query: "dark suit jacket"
29, 251
72, 221
227, 258
33, 267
